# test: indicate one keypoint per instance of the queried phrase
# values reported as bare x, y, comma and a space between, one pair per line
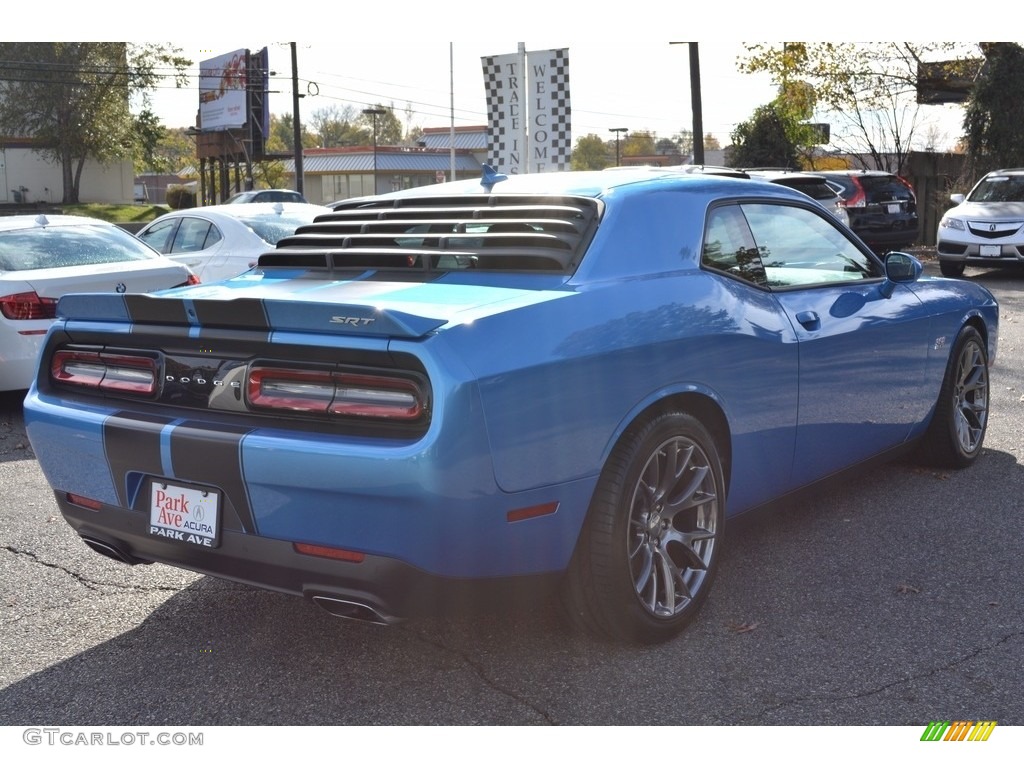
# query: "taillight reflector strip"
83, 501
335, 393
332, 553
528, 513
132, 374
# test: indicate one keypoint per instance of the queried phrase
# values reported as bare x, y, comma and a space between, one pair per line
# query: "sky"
639, 84
427, 56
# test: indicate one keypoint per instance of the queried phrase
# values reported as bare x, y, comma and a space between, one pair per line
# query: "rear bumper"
429, 503
378, 589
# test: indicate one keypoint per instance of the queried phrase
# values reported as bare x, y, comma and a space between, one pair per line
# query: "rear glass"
883, 188
270, 229
58, 246
815, 188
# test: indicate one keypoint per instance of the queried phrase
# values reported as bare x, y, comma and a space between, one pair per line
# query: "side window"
191, 235
159, 236
729, 246
801, 247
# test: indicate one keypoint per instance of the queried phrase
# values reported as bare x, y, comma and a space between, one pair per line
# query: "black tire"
650, 546
957, 429
951, 268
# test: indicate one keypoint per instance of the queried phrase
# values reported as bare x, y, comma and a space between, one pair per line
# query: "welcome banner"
529, 117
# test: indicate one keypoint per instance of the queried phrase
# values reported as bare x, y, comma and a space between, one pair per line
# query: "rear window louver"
486, 231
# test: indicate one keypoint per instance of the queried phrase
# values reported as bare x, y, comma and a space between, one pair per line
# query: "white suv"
986, 228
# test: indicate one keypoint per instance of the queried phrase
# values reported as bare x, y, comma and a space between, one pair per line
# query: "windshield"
68, 246
999, 189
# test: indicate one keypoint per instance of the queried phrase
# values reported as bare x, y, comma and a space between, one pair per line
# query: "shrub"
179, 196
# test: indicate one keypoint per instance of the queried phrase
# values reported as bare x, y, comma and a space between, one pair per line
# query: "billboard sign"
223, 90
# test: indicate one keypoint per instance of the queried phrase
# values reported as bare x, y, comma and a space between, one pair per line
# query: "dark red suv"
882, 207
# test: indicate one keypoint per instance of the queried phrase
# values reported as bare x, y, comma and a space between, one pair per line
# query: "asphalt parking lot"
893, 598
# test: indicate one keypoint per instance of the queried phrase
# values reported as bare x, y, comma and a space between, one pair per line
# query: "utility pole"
695, 104
375, 113
296, 123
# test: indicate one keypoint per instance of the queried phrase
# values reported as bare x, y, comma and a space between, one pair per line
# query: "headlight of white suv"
951, 223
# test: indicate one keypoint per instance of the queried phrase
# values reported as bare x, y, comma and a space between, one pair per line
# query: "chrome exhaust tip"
112, 551
352, 610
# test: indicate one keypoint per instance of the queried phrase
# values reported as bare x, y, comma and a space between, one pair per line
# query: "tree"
389, 127
684, 141
638, 144
174, 151
73, 100
337, 127
591, 154
995, 111
870, 87
282, 135
666, 147
763, 141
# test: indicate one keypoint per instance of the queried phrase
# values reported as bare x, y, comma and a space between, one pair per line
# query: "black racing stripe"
132, 444
149, 309
248, 314
208, 457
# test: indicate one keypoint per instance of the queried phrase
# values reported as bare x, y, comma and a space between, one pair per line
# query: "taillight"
131, 374
28, 306
193, 279
335, 393
858, 199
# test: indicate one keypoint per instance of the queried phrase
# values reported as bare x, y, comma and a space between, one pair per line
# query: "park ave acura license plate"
186, 514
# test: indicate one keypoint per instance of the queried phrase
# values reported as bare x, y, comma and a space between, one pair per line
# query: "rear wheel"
957, 430
951, 268
650, 547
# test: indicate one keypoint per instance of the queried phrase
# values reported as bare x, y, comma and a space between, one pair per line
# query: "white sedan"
45, 257
221, 241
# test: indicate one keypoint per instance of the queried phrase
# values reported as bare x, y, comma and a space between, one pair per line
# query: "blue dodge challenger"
451, 395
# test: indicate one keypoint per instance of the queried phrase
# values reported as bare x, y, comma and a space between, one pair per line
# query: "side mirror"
957, 198
900, 268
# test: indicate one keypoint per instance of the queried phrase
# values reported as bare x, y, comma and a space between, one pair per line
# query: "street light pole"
617, 131
375, 113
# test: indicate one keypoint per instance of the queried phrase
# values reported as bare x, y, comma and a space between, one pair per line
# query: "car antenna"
491, 177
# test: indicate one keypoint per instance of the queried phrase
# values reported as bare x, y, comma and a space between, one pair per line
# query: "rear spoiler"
247, 314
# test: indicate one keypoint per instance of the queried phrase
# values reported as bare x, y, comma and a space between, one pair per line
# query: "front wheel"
957, 430
650, 546
951, 268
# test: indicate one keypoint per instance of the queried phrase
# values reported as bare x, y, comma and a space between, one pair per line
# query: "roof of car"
249, 210
855, 172
29, 220
596, 184
783, 173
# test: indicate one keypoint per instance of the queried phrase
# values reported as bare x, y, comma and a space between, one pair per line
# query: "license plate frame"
990, 251
186, 513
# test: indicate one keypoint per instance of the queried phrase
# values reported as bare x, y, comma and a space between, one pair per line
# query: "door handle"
809, 320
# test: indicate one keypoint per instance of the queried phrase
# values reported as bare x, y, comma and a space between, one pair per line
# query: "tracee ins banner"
529, 120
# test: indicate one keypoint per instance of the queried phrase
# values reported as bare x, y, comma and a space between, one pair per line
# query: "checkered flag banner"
529, 118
